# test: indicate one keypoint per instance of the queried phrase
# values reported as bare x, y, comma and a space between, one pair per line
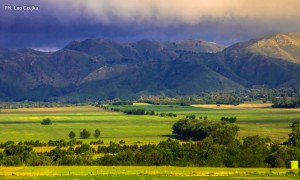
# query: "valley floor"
25, 124
144, 172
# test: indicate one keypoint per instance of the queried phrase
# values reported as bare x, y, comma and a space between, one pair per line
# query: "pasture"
24, 124
144, 172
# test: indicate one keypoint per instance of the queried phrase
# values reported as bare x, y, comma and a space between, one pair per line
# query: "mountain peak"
80, 45
195, 45
280, 46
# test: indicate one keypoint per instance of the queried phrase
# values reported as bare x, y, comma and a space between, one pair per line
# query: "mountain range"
104, 69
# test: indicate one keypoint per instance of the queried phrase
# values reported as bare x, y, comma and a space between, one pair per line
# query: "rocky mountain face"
100, 69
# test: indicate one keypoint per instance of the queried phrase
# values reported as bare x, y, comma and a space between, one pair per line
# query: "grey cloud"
178, 11
223, 21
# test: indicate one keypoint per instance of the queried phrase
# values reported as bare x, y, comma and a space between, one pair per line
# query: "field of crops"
25, 124
144, 172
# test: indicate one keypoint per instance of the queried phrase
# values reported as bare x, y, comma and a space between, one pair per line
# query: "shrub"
96, 142
229, 119
46, 121
135, 111
121, 142
84, 134
72, 135
97, 133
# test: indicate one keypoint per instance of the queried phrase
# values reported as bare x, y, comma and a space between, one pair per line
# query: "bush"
295, 123
72, 135
121, 142
135, 111
190, 117
46, 121
59, 143
7, 143
229, 119
97, 133
96, 142
84, 134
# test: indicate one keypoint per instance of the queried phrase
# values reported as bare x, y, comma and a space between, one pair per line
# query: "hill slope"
272, 60
280, 46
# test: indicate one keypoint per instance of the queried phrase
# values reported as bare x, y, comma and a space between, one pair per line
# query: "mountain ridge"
101, 69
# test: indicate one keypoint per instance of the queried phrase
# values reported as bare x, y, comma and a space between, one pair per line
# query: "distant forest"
280, 98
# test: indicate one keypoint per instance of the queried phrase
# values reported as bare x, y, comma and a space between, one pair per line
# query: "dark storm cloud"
58, 22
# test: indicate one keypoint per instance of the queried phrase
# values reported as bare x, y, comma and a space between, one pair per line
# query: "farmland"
24, 124
143, 172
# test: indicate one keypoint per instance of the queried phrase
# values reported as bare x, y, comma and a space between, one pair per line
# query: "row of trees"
144, 112
37, 143
137, 111
50, 143
252, 151
204, 98
85, 134
195, 117
32, 104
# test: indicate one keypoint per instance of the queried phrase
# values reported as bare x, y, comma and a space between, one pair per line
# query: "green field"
24, 124
144, 172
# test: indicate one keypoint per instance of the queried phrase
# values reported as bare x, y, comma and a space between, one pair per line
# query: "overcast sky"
57, 22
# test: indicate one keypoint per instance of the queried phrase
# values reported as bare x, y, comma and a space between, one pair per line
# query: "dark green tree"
46, 121
294, 138
278, 156
225, 134
255, 152
97, 133
72, 135
84, 134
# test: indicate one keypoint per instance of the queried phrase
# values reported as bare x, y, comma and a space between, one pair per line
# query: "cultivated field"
240, 106
24, 124
144, 172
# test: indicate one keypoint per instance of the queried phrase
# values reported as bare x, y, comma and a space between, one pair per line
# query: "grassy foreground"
144, 172
24, 124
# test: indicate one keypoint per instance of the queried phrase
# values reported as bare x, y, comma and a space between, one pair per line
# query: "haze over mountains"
101, 69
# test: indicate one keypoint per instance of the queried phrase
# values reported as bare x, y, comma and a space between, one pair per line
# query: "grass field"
144, 172
24, 124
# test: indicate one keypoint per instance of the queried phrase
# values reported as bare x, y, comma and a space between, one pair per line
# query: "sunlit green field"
144, 172
24, 124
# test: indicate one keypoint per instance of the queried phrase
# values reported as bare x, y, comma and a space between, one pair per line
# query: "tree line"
286, 102
138, 111
281, 97
253, 151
